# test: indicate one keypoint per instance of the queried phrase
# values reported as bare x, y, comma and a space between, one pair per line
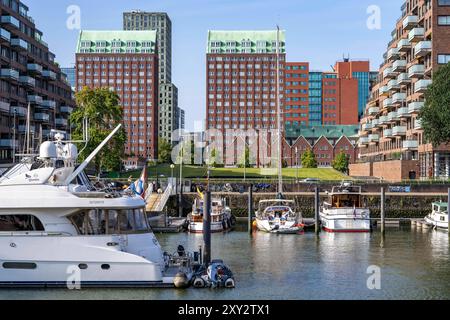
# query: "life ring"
199, 283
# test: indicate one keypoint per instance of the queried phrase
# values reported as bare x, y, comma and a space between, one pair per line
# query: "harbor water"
413, 264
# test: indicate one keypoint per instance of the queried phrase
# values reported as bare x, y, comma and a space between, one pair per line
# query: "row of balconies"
374, 139
421, 49
14, 75
393, 116
394, 85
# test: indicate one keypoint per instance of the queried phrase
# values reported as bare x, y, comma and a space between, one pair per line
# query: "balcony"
393, 117
50, 104
399, 131
49, 74
399, 65
403, 112
383, 120
373, 111
389, 73
416, 35
41, 117
410, 144
19, 44
375, 123
417, 124
5, 36
34, 99
374, 138
9, 74
363, 141
422, 85
422, 49
398, 98
34, 68
19, 111
8, 143
393, 85
66, 109
410, 22
23, 129
403, 79
387, 133
404, 45
416, 71
367, 126
28, 81
392, 54
387, 103
4, 106
384, 91
10, 23
61, 122
415, 107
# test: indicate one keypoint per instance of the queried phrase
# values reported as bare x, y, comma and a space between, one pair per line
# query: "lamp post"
172, 166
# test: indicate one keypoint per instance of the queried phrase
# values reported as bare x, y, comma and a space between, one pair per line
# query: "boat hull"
197, 227
436, 220
276, 227
346, 221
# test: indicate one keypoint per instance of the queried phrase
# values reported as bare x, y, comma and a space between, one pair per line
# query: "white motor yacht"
439, 215
344, 211
57, 229
221, 217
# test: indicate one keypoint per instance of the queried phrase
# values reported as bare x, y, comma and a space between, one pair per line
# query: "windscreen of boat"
346, 201
18, 223
104, 221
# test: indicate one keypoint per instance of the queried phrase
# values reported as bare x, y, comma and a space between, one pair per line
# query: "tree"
340, 162
164, 151
308, 159
435, 115
244, 160
102, 108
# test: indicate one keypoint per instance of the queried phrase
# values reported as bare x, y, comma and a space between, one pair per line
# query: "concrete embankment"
398, 205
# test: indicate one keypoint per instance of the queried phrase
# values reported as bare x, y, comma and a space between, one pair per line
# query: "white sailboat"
55, 227
278, 215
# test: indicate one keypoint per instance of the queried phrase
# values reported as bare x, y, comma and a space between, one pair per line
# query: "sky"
320, 32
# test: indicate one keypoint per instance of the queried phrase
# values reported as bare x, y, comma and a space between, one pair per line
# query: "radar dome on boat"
70, 151
48, 150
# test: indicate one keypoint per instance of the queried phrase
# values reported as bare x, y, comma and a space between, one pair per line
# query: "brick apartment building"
30, 76
126, 62
392, 144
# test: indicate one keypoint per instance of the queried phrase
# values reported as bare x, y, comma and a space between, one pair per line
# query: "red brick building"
127, 63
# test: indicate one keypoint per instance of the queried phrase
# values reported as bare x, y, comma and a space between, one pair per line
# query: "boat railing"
32, 234
161, 202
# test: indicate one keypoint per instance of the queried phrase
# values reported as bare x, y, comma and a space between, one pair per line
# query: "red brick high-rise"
126, 62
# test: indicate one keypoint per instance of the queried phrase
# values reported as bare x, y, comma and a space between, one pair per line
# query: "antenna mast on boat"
279, 118
27, 144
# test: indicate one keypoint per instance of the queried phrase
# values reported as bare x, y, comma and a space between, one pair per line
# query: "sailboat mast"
279, 118
28, 129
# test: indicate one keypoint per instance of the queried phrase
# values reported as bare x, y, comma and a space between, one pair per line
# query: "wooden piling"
250, 208
316, 210
383, 207
207, 229
448, 210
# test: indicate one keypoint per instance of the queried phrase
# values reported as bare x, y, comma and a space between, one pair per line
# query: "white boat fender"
229, 283
181, 280
199, 283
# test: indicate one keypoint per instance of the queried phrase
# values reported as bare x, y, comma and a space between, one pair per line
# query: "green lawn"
193, 172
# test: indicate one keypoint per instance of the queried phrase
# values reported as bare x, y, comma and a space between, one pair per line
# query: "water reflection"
414, 265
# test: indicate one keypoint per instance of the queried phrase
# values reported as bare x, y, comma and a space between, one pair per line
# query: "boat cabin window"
346, 201
15, 223
102, 221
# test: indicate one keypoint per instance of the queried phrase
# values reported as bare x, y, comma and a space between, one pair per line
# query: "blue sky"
320, 31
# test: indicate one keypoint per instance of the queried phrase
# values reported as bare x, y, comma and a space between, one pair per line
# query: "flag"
138, 187
200, 193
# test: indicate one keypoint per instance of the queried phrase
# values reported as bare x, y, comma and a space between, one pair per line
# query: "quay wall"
397, 206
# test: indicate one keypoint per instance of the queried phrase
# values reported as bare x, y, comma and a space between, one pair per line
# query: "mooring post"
250, 208
383, 207
448, 210
207, 229
316, 209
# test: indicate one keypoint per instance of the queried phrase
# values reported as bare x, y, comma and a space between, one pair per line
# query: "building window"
443, 58
444, 20
444, 2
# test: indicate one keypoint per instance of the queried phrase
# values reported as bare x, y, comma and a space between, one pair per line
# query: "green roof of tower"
243, 41
116, 41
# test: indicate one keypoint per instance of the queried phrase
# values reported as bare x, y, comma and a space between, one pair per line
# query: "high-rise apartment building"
126, 62
29, 76
241, 79
315, 98
168, 92
392, 143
